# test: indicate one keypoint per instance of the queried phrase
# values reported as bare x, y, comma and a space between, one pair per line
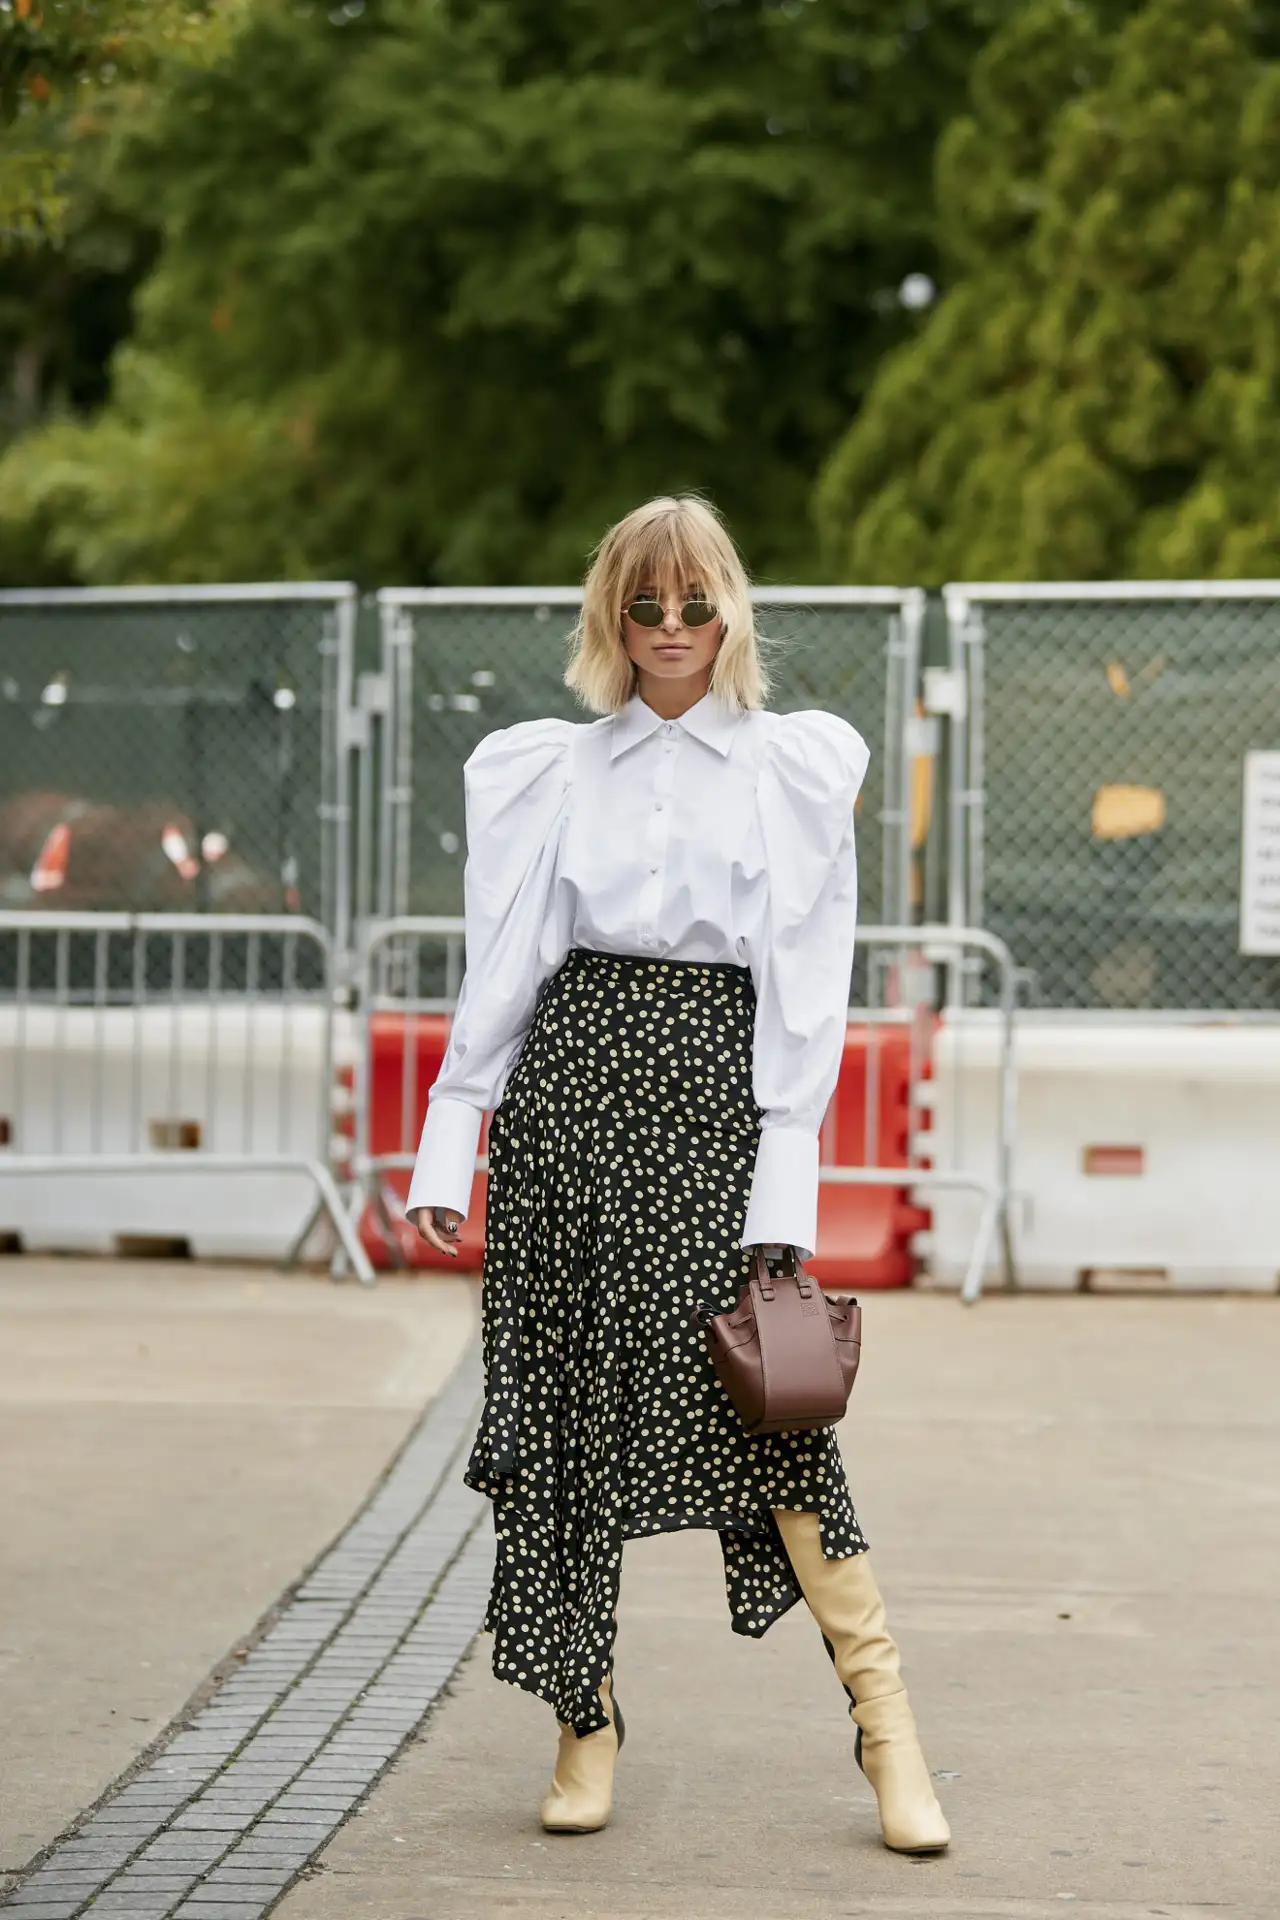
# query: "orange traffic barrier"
864, 1232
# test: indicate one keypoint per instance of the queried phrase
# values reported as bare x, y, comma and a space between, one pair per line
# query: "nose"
671, 620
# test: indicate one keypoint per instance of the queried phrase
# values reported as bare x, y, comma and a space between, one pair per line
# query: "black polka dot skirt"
620, 1163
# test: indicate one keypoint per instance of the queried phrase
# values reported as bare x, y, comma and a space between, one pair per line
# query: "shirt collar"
710, 719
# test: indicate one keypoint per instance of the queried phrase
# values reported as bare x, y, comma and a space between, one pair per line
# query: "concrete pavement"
1073, 1507
176, 1445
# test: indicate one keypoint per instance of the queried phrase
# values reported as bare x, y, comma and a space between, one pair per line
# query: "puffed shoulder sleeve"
517, 783
801, 957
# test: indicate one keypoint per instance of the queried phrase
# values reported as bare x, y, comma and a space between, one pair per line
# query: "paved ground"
1073, 1505
176, 1446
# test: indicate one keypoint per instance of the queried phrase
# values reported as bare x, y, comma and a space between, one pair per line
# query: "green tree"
1065, 412
61, 63
73, 72
1228, 523
456, 283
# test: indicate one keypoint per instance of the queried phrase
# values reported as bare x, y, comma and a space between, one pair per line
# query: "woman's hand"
438, 1226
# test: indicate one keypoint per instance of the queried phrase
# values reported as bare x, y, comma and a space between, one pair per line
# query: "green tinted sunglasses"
651, 613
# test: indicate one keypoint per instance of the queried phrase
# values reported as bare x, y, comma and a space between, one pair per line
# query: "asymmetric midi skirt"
620, 1164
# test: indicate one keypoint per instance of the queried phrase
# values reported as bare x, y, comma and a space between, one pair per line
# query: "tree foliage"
63, 64
1096, 394
73, 73
443, 285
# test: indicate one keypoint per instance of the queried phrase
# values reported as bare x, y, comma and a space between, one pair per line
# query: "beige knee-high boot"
581, 1795
845, 1601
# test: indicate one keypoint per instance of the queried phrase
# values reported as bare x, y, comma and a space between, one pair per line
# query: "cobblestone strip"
245, 1793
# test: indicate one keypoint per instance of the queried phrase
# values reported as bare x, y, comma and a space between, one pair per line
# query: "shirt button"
666, 726
657, 806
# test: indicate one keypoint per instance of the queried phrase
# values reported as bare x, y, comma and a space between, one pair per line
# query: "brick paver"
237, 1801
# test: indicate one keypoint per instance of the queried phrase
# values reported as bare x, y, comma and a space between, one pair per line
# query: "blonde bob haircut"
670, 544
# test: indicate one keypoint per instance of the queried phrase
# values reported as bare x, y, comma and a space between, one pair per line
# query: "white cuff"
446, 1163
784, 1191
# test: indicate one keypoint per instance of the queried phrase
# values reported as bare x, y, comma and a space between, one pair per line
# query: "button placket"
657, 835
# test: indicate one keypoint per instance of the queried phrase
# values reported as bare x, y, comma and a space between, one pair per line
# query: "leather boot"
581, 1794
845, 1601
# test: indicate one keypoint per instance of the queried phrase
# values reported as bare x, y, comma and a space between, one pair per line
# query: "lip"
673, 646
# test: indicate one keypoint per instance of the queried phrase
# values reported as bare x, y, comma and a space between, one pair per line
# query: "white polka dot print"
620, 1163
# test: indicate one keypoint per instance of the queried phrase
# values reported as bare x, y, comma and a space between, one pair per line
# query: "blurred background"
333, 338
419, 292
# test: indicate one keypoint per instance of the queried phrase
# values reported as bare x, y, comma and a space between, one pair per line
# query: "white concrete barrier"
97, 1082
169, 1077
1145, 1150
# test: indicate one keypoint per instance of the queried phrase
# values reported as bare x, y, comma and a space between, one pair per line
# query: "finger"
438, 1226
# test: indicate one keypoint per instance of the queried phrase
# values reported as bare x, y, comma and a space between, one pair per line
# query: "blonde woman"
660, 912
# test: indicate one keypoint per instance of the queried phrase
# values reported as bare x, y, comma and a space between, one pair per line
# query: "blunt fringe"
669, 542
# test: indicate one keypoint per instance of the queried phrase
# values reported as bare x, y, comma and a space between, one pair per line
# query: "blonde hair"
669, 541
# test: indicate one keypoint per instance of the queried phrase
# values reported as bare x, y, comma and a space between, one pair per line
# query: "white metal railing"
163, 1044
907, 971
924, 963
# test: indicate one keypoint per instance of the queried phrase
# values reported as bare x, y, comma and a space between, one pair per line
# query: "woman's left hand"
438, 1226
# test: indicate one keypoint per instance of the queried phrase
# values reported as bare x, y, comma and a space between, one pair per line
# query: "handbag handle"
792, 1270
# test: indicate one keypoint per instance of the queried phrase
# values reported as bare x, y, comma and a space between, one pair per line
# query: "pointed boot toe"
888, 1751
580, 1798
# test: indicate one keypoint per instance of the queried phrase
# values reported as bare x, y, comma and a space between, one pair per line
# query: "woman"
660, 911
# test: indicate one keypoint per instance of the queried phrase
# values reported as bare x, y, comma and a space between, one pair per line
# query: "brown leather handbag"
787, 1355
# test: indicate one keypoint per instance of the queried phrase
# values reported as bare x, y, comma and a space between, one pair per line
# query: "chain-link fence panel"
1100, 812
176, 750
460, 663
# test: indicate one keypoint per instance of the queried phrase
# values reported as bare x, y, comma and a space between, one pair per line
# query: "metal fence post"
345, 623
902, 679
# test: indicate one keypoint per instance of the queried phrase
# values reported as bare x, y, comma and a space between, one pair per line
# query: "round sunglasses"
651, 613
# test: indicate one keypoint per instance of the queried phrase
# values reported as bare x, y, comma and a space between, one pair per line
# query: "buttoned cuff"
446, 1162
784, 1191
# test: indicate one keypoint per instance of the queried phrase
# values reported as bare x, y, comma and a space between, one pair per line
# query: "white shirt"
718, 836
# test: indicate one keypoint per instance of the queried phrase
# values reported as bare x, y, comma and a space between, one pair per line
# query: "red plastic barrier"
408, 1050
864, 1232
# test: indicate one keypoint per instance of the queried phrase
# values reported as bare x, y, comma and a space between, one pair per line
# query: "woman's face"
671, 651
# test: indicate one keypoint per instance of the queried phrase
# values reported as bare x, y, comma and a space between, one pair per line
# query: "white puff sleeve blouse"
720, 836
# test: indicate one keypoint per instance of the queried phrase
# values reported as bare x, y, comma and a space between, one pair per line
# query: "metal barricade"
177, 749
411, 968
1097, 799
169, 1044
958, 1135
460, 662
